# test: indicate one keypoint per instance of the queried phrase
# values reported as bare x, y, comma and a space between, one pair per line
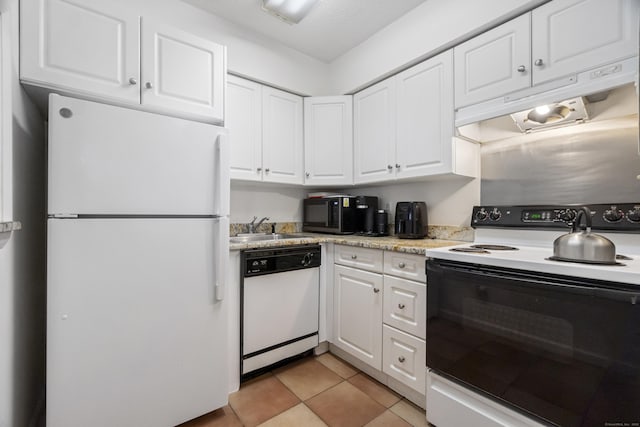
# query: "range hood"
585, 84
557, 114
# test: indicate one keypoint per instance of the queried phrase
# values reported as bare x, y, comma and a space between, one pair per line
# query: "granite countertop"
390, 243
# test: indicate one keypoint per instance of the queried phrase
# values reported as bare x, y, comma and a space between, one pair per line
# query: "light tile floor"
315, 391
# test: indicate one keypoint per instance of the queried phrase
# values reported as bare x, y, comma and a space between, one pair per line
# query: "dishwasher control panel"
257, 262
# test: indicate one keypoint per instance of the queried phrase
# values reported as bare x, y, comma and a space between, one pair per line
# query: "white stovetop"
534, 247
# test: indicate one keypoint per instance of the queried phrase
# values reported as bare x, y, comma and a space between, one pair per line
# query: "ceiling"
332, 27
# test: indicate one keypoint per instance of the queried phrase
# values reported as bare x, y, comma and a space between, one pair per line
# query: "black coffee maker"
366, 209
411, 220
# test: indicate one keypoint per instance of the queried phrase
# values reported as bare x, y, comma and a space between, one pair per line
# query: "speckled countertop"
412, 246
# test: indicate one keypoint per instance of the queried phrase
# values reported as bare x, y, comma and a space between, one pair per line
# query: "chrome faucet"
253, 226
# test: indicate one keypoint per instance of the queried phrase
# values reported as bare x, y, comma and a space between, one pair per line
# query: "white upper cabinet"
328, 140
97, 50
374, 130
282, 136
243, 119
546, 47
80, 48
494, 63
181, 71
572, 35
425, 118
403, 126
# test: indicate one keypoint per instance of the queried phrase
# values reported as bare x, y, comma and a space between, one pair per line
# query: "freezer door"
135, 334
109, 160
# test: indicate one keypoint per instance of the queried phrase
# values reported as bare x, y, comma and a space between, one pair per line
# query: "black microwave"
335, 215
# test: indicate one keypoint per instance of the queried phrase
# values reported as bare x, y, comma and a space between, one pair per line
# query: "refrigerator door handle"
222, 258
223, 184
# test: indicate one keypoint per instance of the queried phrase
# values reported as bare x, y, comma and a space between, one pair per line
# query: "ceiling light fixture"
290, 11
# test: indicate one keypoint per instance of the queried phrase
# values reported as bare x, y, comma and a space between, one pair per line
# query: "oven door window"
564, 350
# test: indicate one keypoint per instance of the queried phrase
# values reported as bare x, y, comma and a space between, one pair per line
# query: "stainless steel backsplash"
598, 166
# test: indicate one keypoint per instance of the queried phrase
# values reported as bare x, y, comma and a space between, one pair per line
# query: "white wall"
420, 33
22, 260
279, 203
249, 54
449, 201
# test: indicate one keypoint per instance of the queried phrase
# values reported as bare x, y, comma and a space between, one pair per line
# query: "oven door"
565, 351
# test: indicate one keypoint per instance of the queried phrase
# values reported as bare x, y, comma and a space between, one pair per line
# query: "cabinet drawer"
403, 358
405, 265
404, 305
364, 258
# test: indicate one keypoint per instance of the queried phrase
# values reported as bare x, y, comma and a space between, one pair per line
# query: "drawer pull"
354, 256
376, 290
401, 359
401, 306
402, 265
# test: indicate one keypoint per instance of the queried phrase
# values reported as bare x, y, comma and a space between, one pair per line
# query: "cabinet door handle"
402, 265
376, 290
401, 359
148, 85
133, 81
397, 166
522, 69
389, 167
307, 174
258, 169
539, 62
401, 306
354, 256
267, 170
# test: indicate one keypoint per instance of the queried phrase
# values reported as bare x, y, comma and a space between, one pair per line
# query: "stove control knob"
613, 214
633, 215
567, 215
495, 214
481, 215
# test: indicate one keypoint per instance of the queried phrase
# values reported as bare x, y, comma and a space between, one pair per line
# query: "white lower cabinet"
358, 314
380, 314
404, 357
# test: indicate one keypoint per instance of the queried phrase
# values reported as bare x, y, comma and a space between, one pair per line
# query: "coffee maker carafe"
366, 208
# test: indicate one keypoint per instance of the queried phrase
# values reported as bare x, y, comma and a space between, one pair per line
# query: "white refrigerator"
138, 235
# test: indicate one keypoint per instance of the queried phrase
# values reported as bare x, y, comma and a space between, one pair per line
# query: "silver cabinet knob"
148, 85
401, 359
389, 167
397, 166
307, 174
133, 81
376, 290
354, 256
258, 169
267, 170
402, 265
401, 306
522, 69
539, 62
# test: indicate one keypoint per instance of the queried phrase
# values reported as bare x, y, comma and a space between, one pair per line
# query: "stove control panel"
623, 217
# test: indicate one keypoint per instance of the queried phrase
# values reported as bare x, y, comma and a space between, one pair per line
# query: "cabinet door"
488, 66
243, 119
374, 133
182, 72
358, 314
282, 136
575, 35
425, 118
89, 48
328, 140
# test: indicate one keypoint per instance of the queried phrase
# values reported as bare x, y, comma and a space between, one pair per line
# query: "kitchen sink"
260, 237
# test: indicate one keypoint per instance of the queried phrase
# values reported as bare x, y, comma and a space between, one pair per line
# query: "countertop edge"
411, 246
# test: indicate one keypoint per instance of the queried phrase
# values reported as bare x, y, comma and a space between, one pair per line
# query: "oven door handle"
541, 282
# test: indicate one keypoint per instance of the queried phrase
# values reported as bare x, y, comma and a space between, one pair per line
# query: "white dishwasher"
280, 293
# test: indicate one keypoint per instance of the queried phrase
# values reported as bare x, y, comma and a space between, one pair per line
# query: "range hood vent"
558, 114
